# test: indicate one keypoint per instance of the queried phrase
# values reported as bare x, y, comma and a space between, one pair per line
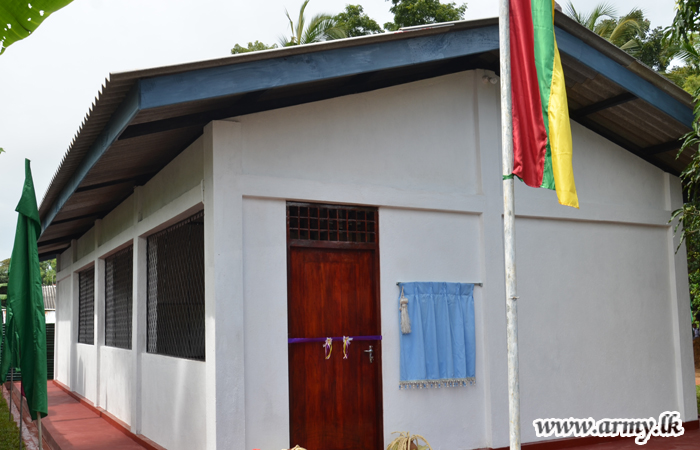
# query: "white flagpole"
38, 425
509, 226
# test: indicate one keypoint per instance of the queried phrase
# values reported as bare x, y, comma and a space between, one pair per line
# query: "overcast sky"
49, 80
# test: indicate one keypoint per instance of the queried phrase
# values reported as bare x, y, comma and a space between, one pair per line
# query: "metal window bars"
86, 306
176, 290
118, 298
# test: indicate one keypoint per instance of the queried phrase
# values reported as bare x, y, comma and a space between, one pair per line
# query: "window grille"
86, 306
332, 223
118, 298
176, 290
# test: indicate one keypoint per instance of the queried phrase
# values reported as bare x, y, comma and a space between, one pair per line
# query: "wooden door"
335, 403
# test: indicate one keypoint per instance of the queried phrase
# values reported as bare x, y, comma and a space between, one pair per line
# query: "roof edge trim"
624, 77
166, 90
121, 118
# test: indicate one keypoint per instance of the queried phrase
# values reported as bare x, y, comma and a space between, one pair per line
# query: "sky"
49, 80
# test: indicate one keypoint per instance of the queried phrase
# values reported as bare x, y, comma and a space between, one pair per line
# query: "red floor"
73, 426
689, 441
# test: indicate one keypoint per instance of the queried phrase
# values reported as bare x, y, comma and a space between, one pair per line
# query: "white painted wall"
63, 338
439, 192
604, 300
163, 398
83, 379
595, 321
172, 401
116, 382
265, 291
430, 246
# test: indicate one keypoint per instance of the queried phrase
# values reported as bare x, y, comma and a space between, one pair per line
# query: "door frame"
374, 248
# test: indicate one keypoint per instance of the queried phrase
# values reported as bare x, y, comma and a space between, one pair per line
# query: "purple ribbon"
339, 338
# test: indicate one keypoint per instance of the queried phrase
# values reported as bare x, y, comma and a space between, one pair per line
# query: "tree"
48, 272
321, 27
687, 20
684, 31
5, 270
252, 47
408, 13
626, 32
656, 51
355, 22
47, 269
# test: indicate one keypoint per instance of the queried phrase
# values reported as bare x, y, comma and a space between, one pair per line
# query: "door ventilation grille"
331, 223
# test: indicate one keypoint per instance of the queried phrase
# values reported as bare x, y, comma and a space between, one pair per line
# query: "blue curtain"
441, 348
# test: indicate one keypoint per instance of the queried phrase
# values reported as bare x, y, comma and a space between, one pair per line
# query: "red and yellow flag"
542, 144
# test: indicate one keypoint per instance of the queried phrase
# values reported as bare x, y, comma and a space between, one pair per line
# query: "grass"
9, 433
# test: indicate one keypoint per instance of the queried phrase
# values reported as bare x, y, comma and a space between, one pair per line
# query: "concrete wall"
603, 297
116, 370
588, 288
420, 245
64, 340
172, 401
138, 388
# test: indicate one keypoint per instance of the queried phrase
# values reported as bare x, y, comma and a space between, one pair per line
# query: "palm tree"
625, 31
590, 20
321, 27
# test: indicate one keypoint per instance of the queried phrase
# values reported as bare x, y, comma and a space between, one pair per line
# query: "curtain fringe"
447, 382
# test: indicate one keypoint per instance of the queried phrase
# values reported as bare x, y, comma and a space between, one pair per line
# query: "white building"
404, 126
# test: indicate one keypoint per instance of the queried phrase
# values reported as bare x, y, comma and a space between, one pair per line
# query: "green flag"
25, 304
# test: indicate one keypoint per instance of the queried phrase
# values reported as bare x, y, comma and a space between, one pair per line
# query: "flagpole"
509, 226
20, 419
12, 382
38, 425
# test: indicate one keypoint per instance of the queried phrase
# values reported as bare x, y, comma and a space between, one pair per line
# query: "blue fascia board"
625, 78
121, 118
252, 76
256, 75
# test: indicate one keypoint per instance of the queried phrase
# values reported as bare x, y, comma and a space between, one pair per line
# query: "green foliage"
692, 244
686, 77
655, 50
9, 433
321, 27
686, 22
689, 215
252, 47
48, 272
21, 18
5, 270
408, 13
627, 32
47, 268
355, 22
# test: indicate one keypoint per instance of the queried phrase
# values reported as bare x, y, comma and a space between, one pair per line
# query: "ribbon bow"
328, 347
346, 344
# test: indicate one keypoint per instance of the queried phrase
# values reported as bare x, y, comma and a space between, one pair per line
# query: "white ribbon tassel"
405, 320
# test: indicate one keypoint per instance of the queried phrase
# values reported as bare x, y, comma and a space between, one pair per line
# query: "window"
86, 306
176, 290
118, 298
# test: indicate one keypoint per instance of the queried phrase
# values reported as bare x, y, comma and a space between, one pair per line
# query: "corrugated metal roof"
150, 137
49, 297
